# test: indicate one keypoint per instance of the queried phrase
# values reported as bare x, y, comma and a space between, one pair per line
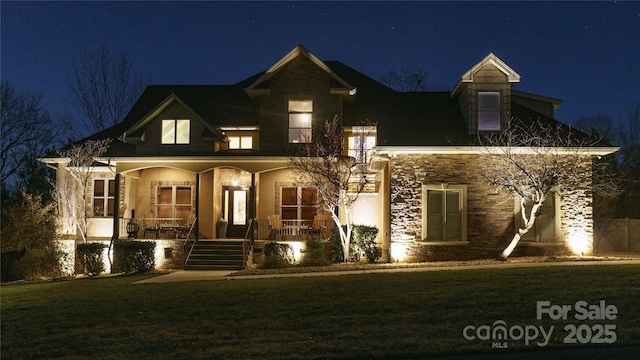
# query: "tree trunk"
528, 224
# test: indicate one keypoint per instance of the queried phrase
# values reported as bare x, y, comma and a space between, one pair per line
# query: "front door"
235, 207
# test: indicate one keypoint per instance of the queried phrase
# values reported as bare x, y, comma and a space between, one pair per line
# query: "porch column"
196, 227
116, 222
252, 206
116, 210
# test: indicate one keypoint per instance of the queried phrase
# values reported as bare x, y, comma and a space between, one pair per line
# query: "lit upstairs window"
361, 143
488, 111
300, 116
175, 131
241, 142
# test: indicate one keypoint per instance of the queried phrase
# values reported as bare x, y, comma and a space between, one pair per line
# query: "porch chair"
275, 227
150, 225
319, 227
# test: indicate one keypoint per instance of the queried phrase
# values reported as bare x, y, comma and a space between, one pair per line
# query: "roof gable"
137, 128
512, 76
260, 85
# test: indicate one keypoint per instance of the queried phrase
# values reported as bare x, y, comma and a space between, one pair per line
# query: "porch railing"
293, 230
247, 243
157, 228
183, 229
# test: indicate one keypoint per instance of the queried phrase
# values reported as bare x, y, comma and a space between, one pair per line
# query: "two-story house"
187, 156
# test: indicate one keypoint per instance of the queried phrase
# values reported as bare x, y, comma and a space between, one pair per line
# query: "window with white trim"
240, 142
444, 212
104, 192
175, 131
300, 120
361, 143
298, 203
489, 111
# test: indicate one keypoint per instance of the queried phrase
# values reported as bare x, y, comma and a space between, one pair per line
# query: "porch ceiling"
201, 165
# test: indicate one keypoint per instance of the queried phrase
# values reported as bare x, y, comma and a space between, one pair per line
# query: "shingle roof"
403, 119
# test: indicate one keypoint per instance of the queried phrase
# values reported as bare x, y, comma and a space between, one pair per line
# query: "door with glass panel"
235, 209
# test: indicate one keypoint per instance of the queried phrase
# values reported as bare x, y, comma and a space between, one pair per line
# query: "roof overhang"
483, 150
197, 164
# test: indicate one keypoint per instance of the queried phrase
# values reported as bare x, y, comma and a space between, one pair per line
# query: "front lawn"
401, 315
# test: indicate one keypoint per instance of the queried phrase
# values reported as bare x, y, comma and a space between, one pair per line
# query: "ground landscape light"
297, 248
578, 242
398, 252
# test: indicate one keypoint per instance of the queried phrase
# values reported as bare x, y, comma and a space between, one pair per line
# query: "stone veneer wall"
490, 216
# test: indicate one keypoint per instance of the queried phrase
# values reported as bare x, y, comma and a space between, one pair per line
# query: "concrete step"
216, 255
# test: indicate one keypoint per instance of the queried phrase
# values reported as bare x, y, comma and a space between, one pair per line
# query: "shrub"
134, 256
277, 255
314, 256
364, 238
337, 255
90, 255
28, 246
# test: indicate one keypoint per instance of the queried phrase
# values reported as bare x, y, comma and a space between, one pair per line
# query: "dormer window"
175, 131
240, 142
300, 120
488, 111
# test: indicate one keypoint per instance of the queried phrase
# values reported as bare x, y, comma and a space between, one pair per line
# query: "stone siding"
490, 216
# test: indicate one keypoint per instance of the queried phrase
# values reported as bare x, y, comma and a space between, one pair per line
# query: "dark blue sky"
585, 53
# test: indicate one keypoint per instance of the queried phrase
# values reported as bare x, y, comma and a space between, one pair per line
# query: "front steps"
216, 255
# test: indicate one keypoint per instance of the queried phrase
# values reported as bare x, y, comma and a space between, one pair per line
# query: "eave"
482, 150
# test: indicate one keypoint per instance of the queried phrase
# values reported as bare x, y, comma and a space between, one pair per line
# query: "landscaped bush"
134, 256
277, 255
363, 242
365, 239
314, 256
29, 249
337, 255
90, 255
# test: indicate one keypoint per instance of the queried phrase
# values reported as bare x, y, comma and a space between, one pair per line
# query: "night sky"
585, 53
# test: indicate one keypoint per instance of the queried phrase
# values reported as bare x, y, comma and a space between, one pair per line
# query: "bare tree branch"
103, 87
71, 189
27, 130
534, 159
406, 79
338, 178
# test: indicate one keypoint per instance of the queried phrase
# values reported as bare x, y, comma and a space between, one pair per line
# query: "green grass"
404, 315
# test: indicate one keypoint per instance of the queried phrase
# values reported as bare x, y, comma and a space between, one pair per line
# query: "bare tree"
532, 160
629, 158
27, 130
338, 178
104, 86
406, 79
71, 188
624, 132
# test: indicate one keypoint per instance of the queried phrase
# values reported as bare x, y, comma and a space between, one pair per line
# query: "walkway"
201, 275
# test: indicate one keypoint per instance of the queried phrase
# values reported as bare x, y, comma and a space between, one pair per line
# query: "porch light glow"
578, 242
398, 252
